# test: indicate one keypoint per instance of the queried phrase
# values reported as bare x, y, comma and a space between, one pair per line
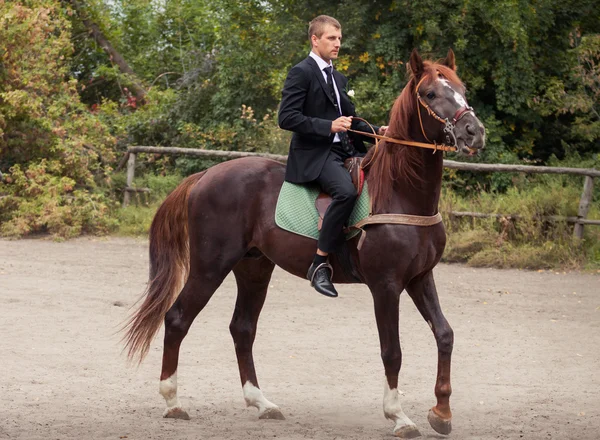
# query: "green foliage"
531, 67
39, 199
579, 93
150, 124
463, 245
526, 256
135, 219
159, 185
524, 237
52, 148
245, 133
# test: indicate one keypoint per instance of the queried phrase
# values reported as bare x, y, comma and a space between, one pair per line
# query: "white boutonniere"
351, 93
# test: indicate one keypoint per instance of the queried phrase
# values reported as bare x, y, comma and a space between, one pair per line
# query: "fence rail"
579, 221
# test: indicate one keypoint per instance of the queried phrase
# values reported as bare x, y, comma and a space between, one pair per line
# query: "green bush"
39, 200
53, 150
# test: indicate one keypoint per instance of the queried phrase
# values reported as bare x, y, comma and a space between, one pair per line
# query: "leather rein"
449, 126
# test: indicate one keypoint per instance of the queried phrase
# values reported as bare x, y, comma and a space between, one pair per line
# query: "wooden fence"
579, 221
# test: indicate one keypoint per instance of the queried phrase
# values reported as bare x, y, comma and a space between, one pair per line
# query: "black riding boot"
320, 276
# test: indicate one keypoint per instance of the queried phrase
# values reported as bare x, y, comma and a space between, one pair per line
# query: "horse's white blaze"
254, 397
392, 407
168, 389
458, 98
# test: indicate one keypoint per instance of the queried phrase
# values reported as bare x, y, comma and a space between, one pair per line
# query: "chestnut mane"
393, 162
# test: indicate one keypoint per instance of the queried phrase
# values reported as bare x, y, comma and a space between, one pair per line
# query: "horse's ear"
416, 64
450, 61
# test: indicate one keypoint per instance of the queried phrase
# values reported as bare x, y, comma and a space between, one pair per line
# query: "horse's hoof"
407, 431
272, 414
441, 426
176, 413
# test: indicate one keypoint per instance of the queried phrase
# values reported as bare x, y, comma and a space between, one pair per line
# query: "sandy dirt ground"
525, 365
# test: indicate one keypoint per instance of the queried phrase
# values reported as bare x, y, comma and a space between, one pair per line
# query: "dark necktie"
344, 139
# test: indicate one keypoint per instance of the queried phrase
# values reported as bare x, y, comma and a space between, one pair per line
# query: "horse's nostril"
470, 129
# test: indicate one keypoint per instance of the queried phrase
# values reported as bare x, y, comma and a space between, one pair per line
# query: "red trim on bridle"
448, 128
461, 112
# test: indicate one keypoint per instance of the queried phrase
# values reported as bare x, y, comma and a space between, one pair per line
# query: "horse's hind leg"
203, 281
425, 297
252, 276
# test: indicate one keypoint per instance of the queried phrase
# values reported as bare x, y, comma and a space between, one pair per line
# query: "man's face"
328, 46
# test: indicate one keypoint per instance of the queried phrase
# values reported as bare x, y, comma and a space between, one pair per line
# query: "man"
316, 108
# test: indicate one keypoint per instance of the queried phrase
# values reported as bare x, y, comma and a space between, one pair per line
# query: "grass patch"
461, 247
527, 256
524, 237
135, 221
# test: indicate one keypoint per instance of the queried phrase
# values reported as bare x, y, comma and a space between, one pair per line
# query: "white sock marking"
392, 409
168, 389
254, 397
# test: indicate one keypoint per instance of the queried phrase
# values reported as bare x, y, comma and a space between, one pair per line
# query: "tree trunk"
137, 90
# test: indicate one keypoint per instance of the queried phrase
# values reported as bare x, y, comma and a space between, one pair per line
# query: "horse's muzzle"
470, 135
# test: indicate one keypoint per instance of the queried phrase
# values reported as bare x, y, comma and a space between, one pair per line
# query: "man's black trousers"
335, 180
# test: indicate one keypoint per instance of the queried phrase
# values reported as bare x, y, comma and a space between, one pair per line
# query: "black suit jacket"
308, 110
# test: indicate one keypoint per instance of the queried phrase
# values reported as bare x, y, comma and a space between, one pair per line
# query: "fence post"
584, 205
130, 176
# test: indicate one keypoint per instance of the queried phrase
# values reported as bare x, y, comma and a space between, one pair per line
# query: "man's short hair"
317, 25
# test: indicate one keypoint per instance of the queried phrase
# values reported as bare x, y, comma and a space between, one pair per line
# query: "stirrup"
311, 277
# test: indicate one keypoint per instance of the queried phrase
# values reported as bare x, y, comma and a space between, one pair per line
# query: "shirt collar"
320, 61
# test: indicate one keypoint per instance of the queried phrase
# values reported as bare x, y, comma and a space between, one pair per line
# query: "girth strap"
395, 219
400, 219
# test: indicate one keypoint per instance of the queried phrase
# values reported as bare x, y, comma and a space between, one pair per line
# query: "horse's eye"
430, 95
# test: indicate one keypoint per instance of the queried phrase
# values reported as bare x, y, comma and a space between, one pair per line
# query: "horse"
222, 220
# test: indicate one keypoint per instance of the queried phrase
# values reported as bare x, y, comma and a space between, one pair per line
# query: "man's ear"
416, 64
450, 61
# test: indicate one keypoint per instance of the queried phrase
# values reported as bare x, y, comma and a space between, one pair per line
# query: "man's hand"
382, 130
342, 123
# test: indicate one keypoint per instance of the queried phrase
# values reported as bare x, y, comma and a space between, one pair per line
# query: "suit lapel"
339, 79
347, 106
315, 67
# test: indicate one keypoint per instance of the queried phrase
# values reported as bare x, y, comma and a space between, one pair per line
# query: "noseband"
449, 126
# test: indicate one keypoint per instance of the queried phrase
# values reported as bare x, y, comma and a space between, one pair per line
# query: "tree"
53, 150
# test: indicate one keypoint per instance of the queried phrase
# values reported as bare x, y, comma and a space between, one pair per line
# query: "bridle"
449, 126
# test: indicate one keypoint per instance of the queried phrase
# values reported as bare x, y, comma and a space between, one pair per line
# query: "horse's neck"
421, 197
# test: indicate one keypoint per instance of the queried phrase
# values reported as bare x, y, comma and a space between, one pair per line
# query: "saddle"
353, 165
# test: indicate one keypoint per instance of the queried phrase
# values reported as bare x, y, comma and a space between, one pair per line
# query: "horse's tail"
169, 268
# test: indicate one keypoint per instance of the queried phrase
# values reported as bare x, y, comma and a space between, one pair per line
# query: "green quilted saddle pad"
296, 212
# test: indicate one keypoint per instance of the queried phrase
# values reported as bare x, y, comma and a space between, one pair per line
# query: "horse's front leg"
386, 299
424, 294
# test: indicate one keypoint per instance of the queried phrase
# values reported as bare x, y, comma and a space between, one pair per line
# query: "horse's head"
443, 113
